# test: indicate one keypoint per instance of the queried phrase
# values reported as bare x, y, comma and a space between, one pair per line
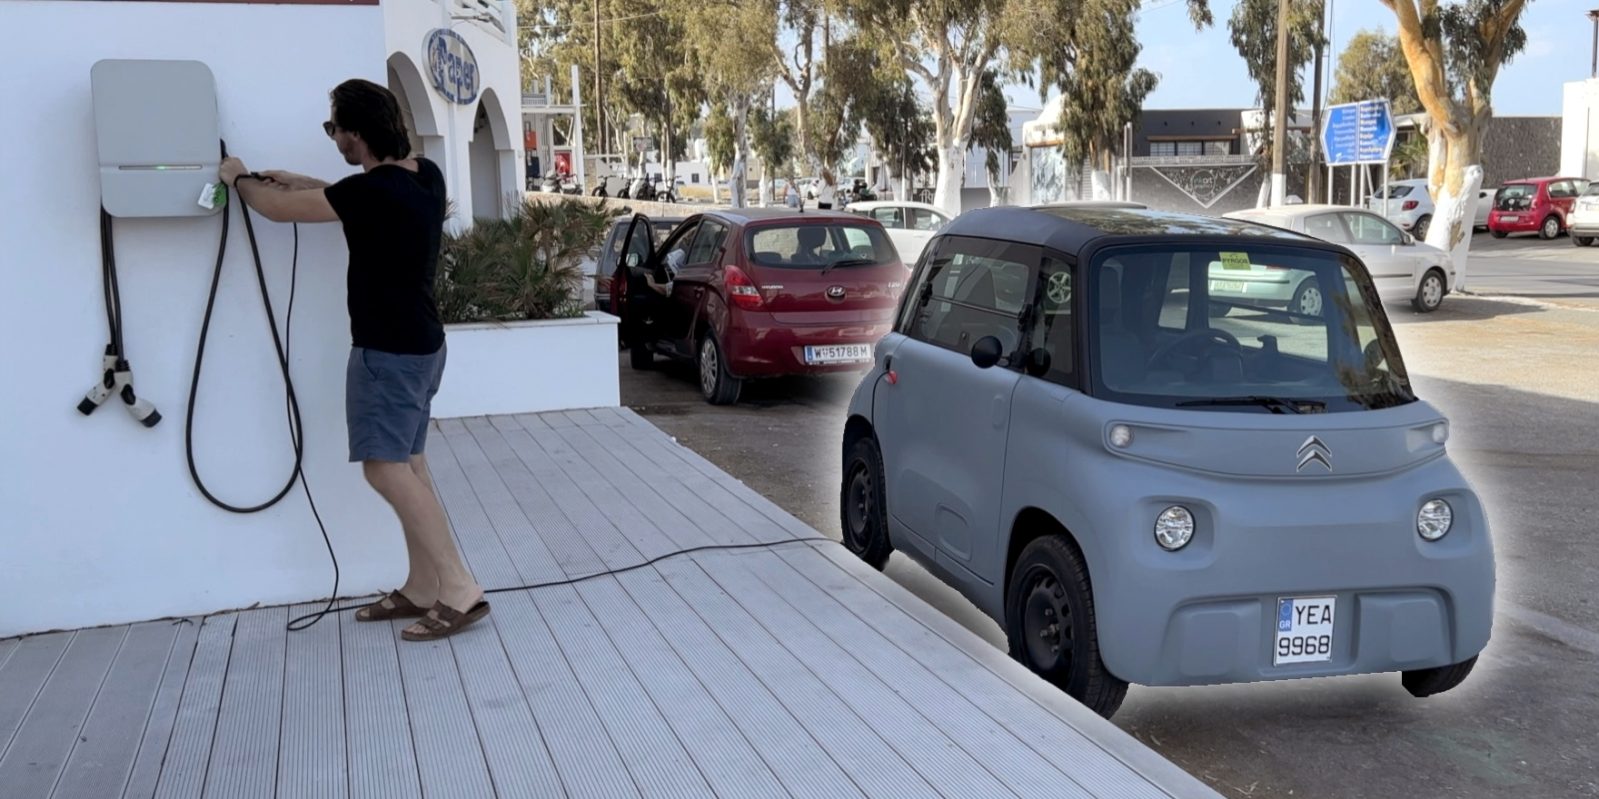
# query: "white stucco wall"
406, 24
1579, 129
99, 522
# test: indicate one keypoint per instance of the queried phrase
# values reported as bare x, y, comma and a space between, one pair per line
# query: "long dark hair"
372, 112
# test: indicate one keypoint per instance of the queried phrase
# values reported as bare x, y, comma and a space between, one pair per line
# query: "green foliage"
1096, 74
901, 129
1372, 66
1409, 158
772, 137
1254, 35
1473, 54
720, 138
526, 267
991, 127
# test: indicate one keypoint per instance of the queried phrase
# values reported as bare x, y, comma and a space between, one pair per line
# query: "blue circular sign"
451, 66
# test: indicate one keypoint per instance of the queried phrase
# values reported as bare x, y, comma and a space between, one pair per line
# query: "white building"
100, 521
1579, 129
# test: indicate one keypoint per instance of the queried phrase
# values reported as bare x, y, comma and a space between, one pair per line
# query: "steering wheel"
1209, 335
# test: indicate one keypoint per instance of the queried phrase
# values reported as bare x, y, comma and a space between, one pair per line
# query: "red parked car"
759, 293
1534, 205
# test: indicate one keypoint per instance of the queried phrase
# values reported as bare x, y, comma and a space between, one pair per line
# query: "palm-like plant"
528, 266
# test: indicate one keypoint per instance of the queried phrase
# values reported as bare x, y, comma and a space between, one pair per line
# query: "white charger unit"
156, 130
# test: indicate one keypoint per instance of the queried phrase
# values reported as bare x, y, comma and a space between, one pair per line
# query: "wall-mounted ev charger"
156, 130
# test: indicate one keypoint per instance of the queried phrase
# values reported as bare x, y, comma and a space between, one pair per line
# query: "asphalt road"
1516, 378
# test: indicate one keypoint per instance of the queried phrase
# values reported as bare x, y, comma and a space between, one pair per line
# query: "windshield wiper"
1274, 404
848, 262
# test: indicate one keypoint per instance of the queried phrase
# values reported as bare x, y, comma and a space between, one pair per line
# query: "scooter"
641, 189
569, 185
551, 184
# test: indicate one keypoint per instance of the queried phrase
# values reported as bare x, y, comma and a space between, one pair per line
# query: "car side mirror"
987, 352
1373, 354
1407, 239
632, 260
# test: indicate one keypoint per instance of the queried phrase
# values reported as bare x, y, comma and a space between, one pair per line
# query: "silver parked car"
1139, 492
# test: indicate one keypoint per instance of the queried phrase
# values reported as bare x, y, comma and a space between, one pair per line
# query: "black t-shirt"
393, 220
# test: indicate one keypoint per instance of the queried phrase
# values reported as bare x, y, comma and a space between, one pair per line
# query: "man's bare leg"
427, 535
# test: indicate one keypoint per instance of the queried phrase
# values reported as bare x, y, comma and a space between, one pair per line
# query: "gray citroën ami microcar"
1145, 482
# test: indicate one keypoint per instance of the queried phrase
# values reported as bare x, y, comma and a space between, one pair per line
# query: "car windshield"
818, 246
1245, 327
1592, 190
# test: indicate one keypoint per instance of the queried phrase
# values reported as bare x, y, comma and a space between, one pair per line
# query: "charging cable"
116, 376
291, 400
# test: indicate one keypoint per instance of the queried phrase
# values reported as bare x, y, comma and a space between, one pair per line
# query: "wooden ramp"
789, 670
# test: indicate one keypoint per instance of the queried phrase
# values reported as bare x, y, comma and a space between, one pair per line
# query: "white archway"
494, 163
416, 105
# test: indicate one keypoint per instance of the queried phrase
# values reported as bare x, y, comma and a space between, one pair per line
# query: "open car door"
628, 280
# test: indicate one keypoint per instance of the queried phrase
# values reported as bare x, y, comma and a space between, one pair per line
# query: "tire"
1430, 294
1581, 241
1498, 234
1220, 309
717, 385
1420, 230
1307, 301
1050, 582
1423, 683
1549, 228
640, 357
863, 505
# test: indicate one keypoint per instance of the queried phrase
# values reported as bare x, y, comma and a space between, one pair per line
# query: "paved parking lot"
1516, 376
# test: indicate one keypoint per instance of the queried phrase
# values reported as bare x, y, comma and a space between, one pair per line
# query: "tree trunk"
741, 149
802, 120
951, 176
1264, 196
1457, 173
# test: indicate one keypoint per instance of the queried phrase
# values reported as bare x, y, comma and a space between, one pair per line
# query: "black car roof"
1069, 229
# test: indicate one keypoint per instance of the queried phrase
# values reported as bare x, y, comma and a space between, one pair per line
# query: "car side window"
1052, 321
680, 242
923, 219
1368, 229
892, 218
1326, 227
707, 242
969, 289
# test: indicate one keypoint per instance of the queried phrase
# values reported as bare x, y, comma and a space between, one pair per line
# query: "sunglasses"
329, 128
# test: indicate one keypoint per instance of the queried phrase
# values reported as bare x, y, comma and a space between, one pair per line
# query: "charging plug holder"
156, 131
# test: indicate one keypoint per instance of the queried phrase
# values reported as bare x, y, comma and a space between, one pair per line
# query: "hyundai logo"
835, 292
1314, 451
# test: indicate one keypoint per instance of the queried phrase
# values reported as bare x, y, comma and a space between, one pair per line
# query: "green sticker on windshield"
1234, 260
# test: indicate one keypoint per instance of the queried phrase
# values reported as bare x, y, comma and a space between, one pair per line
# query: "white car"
910, 225
1401, 267
1409, 205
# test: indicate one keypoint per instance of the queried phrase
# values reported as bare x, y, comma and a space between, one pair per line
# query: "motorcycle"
662, 193
641, 189
568, 184
551, 184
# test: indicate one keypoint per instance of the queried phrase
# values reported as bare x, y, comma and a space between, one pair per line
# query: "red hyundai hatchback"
759, 293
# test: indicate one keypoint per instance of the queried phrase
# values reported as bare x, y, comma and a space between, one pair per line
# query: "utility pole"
1279, 133
1594, 15
599, 88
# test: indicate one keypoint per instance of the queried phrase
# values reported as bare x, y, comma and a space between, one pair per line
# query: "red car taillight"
1410, 205
741, 290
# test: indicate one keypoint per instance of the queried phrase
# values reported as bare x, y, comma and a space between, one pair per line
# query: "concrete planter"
530, 367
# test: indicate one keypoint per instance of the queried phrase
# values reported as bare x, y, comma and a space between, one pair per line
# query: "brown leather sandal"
443, 621
393, 605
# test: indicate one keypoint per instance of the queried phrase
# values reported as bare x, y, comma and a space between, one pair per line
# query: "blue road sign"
1358, 133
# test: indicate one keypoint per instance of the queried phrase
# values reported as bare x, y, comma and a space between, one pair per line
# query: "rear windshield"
1516, 190
1248, 328
1593, 189
1397, 191
817, 245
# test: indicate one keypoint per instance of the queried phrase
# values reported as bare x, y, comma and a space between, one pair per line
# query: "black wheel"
862, 504
1423, 683
1306, 302
1220, 309
1049, 621
1422, 225
1498, 234
639, 356
1430, 294
716, 384
1550, 227
1581, 241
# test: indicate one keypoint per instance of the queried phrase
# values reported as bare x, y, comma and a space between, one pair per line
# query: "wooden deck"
792, 670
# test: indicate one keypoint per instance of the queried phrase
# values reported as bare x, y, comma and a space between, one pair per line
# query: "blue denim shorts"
387, 401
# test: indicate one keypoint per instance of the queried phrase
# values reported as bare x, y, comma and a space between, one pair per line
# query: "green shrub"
526, 267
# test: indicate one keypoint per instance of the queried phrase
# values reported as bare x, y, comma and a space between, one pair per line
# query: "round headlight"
1440, 433
1174, 528
1121, 436
1434, 520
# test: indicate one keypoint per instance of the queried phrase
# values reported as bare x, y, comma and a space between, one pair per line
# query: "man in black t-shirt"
393, 217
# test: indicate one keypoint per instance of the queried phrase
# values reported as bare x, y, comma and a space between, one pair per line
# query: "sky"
1202, 70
